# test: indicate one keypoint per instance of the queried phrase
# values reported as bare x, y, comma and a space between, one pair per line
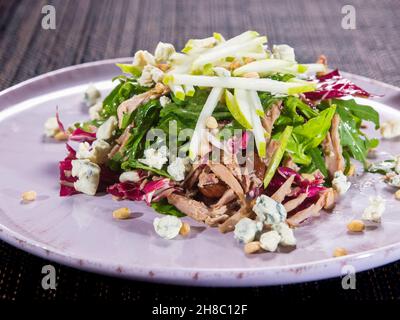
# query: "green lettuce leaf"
164, 207
363, 112
309, 136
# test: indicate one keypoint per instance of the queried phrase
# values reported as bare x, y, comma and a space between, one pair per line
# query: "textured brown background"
95, 30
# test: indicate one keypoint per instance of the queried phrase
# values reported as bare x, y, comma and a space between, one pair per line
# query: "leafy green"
126, 89
144, 118
277, 156
165, 208
317, 163
289, 115
309, 136
267, 99
284, 77
360, 111
294, 110
186, 113
351, 138
134, 164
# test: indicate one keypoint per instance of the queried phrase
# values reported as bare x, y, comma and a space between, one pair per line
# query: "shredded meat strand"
130, 105
332, 148
294, 203
194, 209
226, 198
226, 176
270, 117
284, 190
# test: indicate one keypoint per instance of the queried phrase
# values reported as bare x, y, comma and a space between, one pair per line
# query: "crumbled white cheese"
375, 209
155, 158
51, 127
107, 129
246, 230
393, 179
167, 227
340, 183
390, 129
178, 168
92, 95
269, 211
286, 233
269, 240
150, 75
164, 100
163, 52
88, 175
397, 165
384, 166
143, 58
283, 52
96, 153
94, 111
129, 176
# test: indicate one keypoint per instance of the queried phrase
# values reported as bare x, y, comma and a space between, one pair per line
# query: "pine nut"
340, 252
252, 247
356, 226
122, 213
397, 194
185, 229
29, 196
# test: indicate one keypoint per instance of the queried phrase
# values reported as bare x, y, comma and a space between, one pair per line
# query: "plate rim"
294, 273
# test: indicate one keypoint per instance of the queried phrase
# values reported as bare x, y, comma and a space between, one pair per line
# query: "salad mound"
231, 133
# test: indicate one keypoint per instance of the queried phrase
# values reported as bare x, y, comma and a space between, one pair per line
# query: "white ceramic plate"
79, 231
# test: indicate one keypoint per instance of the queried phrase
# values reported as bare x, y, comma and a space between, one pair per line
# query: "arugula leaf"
267, 99
309, 136
351, 136
186, 113
314, 131
295, 103
165, 208
134, 164
318, 162
144, 118
363, 112
123, 91
284, 77
289, 115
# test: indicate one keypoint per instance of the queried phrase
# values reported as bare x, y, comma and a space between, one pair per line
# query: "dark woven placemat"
94, 30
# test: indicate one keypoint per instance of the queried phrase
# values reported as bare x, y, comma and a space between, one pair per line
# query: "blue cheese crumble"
269, 240
155, 158
246, 230
340, 183
374, 210
167, 227
88, 175
269, 211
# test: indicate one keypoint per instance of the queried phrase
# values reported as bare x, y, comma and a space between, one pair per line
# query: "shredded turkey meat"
130, 105
332, 148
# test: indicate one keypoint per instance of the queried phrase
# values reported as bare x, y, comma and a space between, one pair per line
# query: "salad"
231, 133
